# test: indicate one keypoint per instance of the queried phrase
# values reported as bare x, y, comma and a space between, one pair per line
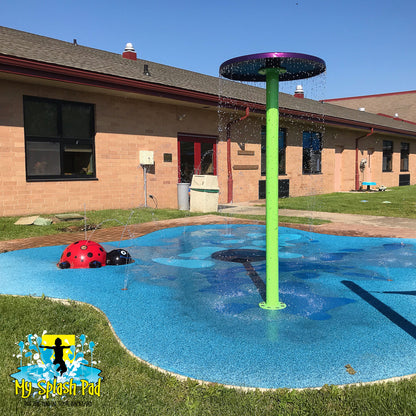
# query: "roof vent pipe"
129, 52
299, 93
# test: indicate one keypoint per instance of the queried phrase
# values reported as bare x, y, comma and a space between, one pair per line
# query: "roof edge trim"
26, 67
368, 96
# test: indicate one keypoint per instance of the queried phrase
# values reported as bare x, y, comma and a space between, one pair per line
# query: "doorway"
197, 155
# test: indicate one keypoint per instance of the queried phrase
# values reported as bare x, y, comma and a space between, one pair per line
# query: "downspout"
229, 169
357, 164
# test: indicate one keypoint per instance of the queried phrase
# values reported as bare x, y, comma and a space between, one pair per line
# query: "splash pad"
272, 67
204, 322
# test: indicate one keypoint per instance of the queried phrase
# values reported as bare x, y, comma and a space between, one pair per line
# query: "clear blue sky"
368, 45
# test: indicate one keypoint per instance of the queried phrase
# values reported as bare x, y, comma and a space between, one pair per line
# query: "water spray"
270, 68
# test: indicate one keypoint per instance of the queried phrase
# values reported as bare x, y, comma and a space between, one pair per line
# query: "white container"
204, 193
183, 196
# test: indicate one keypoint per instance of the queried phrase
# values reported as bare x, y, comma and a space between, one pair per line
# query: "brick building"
74, 121
397, 105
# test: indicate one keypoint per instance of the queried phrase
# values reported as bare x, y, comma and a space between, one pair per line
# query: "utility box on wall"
146, 157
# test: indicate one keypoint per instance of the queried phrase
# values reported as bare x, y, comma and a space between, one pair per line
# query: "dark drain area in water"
240, 255
245, 257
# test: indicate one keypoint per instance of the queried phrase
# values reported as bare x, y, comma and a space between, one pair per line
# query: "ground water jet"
272, 67
90, 254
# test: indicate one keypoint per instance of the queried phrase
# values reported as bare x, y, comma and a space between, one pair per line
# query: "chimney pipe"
129, 52
299, 93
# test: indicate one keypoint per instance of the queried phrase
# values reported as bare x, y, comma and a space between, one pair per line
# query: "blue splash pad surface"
188, 313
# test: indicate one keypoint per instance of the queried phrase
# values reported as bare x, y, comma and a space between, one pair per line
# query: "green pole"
272, 189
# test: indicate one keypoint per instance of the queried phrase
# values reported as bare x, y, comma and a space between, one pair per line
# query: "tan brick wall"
124, 126
338, 161
245, 137
127, 124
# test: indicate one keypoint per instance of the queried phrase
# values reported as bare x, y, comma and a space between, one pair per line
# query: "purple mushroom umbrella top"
251, 67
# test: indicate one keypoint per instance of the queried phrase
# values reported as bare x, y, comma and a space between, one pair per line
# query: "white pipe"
145, 185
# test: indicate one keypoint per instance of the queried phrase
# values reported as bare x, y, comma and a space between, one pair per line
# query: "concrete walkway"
345, 224
373, 220
243, 208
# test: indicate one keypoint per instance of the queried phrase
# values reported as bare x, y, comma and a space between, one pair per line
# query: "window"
387, 156
312, 152
404, 157
282, 151
59, 139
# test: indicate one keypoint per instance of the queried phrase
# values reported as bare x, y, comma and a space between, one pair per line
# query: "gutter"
229, 169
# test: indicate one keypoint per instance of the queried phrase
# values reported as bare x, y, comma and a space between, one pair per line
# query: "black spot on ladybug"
90, 254
68, 254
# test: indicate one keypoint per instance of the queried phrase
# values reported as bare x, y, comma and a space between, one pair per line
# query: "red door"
196, 155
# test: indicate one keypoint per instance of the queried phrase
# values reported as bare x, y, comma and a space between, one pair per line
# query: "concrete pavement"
346, 224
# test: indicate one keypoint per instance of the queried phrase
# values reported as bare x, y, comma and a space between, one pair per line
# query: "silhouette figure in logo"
59, 355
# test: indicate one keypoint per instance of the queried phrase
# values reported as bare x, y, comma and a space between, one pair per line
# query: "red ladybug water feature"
83, 254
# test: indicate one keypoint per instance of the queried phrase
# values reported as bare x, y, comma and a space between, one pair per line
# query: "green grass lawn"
395, 202
130, 387
111, 218
102, 219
